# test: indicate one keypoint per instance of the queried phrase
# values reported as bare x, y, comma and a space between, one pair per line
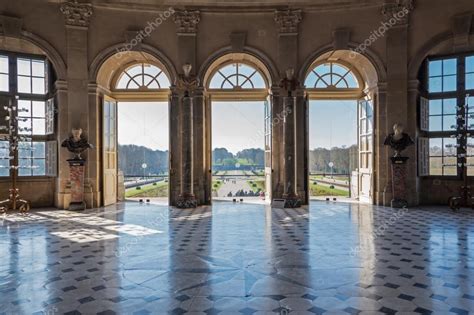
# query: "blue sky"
144, 124
237, 125
332, 124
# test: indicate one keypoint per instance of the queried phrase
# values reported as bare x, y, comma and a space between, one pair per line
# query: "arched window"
331, 75
237, 76
142, 76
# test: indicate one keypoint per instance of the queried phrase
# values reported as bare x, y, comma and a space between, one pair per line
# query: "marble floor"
333, 258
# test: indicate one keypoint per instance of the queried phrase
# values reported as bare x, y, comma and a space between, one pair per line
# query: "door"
109, 151
366, 113
268, 151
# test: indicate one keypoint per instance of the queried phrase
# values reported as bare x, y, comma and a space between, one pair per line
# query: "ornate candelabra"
14, 136
465, 115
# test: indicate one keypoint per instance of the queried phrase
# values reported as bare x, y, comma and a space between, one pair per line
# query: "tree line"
343, 158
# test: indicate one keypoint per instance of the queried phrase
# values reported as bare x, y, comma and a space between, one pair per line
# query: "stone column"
63, 195
288, 163
190, 113
175, 148
77, 16
290, 196
396, 14
186, 197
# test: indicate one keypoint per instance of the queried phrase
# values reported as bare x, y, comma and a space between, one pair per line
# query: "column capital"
288, 20
187, 21
397, 12
76, 14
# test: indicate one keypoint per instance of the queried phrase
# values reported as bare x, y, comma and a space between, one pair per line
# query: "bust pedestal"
76, 179
399, 175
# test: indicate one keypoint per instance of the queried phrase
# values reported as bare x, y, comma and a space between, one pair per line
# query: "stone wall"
79, 44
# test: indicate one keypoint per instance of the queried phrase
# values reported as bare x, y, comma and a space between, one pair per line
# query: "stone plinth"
76, 179
399, 176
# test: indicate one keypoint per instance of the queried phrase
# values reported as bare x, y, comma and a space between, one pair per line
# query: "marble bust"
76, 143
398, 140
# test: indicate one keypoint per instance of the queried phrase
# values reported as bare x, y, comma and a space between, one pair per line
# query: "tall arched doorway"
135, 90
239, 124
342, 89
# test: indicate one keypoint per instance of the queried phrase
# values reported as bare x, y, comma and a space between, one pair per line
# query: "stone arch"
442, 43
31, 43
368, 65
251, 55
109, 62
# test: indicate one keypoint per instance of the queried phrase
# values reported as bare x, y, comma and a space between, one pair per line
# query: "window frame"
13, 93
245, 94
459, 94
334, 92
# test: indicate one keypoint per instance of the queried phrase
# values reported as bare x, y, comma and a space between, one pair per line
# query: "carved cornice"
288, 20
187, 21
76, 14
397, 12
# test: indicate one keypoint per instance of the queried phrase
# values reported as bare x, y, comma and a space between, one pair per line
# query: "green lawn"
320, 190
150, 191
259, 185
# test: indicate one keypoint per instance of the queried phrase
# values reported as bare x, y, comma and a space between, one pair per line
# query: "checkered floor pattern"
331, 258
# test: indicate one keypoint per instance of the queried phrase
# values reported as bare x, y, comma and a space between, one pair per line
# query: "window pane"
449, 66
24, 126
39, 126
449, 106
24, 108
38, 68
449, 123
4, 86
470, 146
435, 85
470, 81
436, 166
24, 66
470, 166
436, 107
435, 68
4, 167
39, 167
38, 109
449, 146
25, 150
435, 123
436, 147
38, 86
3, 64
449, 83
470, 64
450, 167
4, 149
39, 150
25, 167
24, 84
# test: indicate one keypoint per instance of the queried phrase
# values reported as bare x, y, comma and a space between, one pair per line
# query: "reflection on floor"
238, 258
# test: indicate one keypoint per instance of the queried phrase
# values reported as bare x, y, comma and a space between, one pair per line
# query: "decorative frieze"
397, 12
288, 20
187, 21
77, 14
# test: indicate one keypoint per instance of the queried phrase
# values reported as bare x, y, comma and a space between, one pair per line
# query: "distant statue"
398, 140
76, 143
